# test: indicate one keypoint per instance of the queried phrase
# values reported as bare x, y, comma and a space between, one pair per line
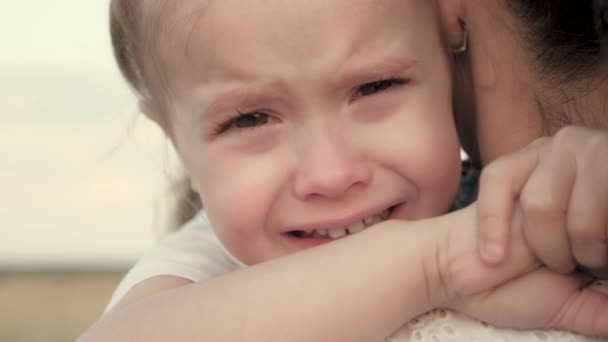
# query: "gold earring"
465, 39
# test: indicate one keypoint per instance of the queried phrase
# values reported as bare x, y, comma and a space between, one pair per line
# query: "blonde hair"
125, 33
131, 44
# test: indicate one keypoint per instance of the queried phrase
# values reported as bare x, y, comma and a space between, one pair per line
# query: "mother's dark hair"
567, 37
565, 45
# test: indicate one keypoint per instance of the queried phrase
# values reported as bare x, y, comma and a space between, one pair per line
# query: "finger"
500, 184
544, 299
544, 201
588, 211
585, 312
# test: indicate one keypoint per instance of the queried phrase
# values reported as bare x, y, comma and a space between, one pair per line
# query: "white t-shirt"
195, 253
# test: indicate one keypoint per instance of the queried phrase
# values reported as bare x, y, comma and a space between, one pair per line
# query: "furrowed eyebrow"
242, 96
354, 73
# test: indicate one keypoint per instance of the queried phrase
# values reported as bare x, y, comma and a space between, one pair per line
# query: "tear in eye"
249, 120
374, 87
244, 121
378, 86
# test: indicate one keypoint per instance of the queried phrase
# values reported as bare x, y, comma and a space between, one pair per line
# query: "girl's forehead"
199, 29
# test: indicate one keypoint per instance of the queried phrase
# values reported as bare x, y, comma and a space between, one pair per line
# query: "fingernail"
492, 252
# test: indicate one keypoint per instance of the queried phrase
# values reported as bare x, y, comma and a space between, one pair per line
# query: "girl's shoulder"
192, 252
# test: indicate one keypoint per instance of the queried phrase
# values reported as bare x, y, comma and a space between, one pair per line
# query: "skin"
559, 181
319, 152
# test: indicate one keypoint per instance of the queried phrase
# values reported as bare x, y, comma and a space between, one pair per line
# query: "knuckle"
489, 221
542, 141
584, 231
493, 173
596, 147
592, 254
541, 205
568, 135
581, 137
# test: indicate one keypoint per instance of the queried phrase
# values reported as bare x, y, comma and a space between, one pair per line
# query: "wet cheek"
439, 183
426, 152
239, 194
236, 214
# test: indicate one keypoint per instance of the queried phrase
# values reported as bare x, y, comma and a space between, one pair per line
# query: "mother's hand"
519, 293
560, 184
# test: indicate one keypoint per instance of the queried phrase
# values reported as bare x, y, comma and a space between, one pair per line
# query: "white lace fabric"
448, 326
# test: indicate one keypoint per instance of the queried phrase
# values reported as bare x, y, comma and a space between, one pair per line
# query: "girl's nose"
329, 167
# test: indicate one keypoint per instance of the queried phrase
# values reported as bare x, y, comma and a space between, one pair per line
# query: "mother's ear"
451, 13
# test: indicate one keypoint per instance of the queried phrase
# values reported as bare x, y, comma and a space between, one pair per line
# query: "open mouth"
339, 232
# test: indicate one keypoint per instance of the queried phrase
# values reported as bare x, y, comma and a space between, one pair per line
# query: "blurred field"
51, 306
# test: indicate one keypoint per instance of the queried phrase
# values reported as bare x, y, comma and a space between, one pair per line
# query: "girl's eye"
245, 121
378, 86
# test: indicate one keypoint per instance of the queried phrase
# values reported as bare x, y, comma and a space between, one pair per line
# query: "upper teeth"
354, 228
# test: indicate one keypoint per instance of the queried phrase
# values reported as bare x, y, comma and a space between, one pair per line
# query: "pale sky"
82, 174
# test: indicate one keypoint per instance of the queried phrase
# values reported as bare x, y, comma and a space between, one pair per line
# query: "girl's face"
313, 118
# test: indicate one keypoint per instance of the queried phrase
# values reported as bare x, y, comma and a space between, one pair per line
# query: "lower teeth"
302, 234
